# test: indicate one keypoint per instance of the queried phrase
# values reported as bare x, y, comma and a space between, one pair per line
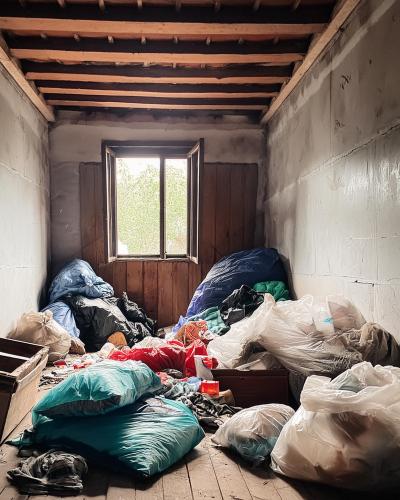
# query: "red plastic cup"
210, 387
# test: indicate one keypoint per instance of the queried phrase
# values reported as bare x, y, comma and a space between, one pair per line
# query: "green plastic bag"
146, 437
99, 389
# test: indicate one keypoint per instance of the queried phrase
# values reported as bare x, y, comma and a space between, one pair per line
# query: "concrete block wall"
76, 138
332, 194
24, 204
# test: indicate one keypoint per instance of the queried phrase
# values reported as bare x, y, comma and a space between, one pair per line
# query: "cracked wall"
24, 204
332, 195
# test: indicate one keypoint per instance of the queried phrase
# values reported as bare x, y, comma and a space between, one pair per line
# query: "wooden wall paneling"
180, 290
134, 281
207, 217
250, 205
119, 277
165, 293
222, 219
150, 288
106, 271
88, 213
99, 217
195, 277
236, 208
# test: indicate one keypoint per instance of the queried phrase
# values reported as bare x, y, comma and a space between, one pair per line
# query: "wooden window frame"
193, 152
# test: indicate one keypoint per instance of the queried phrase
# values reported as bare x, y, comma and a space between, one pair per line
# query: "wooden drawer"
255, 387
21, 365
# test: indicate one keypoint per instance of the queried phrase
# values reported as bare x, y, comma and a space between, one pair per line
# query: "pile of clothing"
83, 314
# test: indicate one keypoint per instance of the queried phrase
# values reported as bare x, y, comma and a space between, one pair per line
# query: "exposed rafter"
341, 13
156, 74
29, 89
130, 51
153, 21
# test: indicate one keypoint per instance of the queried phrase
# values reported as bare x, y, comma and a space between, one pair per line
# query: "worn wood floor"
206, 473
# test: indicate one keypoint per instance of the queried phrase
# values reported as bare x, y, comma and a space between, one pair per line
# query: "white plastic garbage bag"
40, 328
302, 335
235, 347
254, 431
347, 431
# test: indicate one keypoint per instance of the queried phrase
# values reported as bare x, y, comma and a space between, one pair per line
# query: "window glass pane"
176, 208
138, 206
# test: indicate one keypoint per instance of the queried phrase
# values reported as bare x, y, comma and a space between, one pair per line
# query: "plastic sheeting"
241, 268
78, 278
254, 431
99, 389
40, 328
145, 438
63, 315
347, 431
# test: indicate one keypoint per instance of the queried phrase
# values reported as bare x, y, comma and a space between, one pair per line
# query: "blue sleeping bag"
146, 437
78, 278
241, 268
63, 315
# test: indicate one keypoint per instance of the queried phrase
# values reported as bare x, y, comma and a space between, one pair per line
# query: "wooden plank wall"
164, 288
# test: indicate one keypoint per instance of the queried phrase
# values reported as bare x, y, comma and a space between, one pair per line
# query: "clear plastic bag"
40, 328
301, 335
347, 431
254, 431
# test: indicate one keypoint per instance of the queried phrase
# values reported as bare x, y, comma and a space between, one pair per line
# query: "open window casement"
152, 199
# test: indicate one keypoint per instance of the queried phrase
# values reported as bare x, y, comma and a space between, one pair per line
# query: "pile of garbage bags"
82, 314
346, 432
109, 414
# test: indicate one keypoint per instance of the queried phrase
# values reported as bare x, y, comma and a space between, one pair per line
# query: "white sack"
254, 431
347, 431
301, 334
40, 328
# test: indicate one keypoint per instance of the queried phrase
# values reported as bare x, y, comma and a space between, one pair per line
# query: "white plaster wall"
332, 199
24, 204
76, 138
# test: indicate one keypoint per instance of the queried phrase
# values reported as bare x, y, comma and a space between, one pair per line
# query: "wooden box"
21, 365
255, 387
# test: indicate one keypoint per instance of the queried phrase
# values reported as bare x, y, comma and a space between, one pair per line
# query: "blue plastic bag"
146, 437
78, 278
241, 268
99, 389
63, 315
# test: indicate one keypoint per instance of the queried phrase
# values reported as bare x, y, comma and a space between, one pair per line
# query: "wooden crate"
21, 365
255, 387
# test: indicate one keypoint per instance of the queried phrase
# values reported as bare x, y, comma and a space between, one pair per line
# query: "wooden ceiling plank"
78, 77
160, 87
100, 104
156, 74
136, 93
341, 14
137, 29
19, 78
122, 20
150, 57
230, 101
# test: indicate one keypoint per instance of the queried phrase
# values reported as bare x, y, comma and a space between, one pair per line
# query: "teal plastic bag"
99, 389
146, 437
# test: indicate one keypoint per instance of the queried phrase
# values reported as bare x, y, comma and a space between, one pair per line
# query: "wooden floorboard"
206, 473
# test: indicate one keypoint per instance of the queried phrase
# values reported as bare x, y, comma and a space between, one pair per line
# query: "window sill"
152, 259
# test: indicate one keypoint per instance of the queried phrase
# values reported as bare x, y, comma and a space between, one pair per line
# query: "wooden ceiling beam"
156, 74
132, 51
230, 101
341, 13
157, 88
27, 87
127, 105
175, 95
152, 21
